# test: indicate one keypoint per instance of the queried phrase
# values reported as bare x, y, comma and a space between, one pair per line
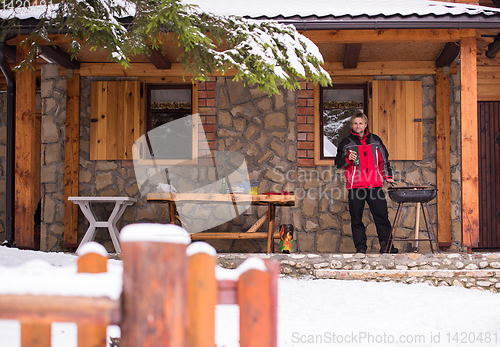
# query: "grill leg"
394, 227
430, 229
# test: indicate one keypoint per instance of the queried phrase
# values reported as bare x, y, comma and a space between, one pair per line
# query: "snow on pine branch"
265, 53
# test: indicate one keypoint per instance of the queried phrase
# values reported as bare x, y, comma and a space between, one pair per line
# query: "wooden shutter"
396, 116
116, 120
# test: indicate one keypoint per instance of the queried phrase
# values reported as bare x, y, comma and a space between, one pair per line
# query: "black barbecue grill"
413, 194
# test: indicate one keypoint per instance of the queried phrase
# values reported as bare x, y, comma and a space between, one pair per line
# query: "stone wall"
475, 271
53, 94
264, 130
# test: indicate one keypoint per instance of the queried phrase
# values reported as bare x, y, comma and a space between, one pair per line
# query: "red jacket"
374, 166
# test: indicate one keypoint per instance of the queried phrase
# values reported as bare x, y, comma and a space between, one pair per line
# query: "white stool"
121, 203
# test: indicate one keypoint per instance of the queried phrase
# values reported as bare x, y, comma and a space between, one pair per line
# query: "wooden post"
154, 285
256, 318
443, 158
270, 234
92, 335
71, 160
469, 148
34, 334
201, 296
25, 199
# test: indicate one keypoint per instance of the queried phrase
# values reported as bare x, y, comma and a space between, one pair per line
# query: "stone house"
424, 72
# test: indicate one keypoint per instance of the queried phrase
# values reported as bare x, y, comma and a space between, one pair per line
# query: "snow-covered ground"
319, 312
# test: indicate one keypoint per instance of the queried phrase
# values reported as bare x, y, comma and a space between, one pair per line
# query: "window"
393, 108
169, 122
338, 103
120, 115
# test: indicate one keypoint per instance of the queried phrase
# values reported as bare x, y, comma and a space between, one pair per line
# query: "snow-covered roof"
338, 8
336, 14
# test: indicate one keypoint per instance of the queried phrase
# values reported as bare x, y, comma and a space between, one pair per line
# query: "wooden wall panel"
469, 149
25, 162
396, 105
488, 83
71, 160
116, 119
443, 173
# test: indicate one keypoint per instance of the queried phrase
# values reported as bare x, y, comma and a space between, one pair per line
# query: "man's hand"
391, 182
352, 155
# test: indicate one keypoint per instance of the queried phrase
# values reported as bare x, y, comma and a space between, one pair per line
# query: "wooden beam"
443, 173
469, 148
159, 60
448, 54
383, 68
71, 160
351, 55
60, 57
25, 199
137, 70
10, 52
389, 35
48, 309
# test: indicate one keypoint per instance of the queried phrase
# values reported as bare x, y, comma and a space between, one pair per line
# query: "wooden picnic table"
255, 199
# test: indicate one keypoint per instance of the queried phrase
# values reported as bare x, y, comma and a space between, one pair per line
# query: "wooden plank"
25, 162
409, 120
92, 334
448, 54
71, 160
128, 119
233, 236
495, 158
351, 55
390, 35
113, 121
382, 113
392, 117
469, 148
271, 210
154, 294
393, 103
383, 68
135, 70
202, 295
417, 112
398, 123
35, 334
280, 200
255, 304
98, 124
94, 102
374, 123
148, 73
122, 93
43, 308
443, 175
488, 92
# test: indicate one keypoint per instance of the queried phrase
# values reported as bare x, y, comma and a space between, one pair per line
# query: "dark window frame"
364, 87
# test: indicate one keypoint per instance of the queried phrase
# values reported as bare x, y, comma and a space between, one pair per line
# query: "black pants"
378, 207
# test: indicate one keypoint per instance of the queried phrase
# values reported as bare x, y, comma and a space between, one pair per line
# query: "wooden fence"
168, 299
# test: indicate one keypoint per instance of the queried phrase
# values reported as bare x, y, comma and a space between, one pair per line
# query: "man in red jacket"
365, 161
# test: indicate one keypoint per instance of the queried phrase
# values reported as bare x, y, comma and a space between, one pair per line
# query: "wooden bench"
271, 201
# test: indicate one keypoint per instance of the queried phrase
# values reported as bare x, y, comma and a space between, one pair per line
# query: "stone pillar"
53, 93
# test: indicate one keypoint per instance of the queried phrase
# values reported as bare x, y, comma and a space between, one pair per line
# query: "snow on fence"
170, 292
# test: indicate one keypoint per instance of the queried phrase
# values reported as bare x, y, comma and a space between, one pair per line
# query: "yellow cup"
254, 187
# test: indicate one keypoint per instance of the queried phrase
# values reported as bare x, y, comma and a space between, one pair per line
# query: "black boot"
383, 246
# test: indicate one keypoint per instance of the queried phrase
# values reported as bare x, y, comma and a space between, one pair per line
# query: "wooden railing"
168, 299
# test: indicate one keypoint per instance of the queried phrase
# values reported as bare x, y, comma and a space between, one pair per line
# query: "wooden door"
489, 174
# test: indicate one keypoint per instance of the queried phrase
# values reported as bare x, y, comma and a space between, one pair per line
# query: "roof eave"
393, 22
